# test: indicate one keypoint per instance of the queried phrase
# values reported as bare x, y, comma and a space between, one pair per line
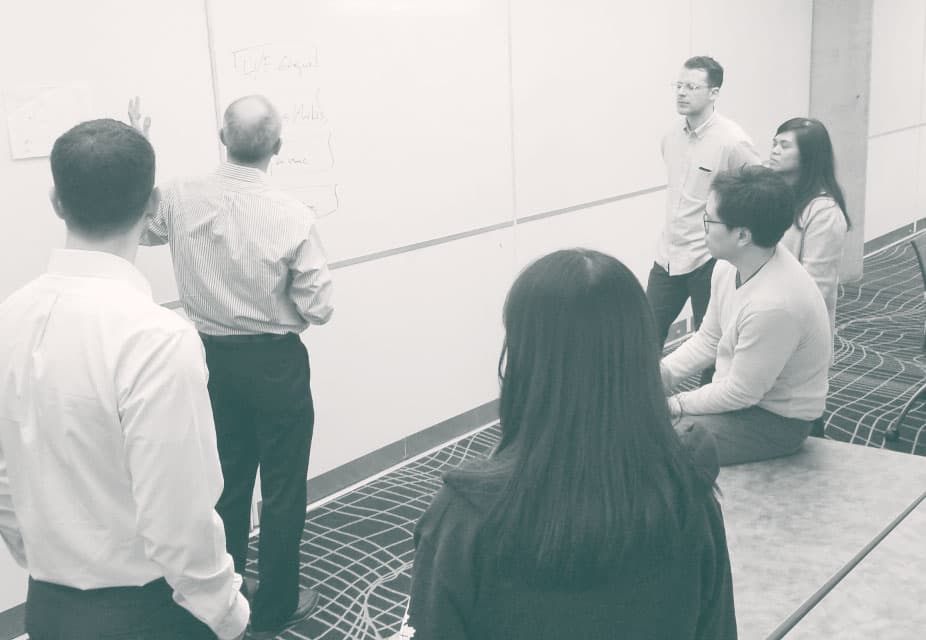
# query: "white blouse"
818, 246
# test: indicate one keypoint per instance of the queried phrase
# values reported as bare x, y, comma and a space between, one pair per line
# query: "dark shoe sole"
297, 617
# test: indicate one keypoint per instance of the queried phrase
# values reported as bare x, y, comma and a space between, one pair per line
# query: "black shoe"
817, 428
308, 600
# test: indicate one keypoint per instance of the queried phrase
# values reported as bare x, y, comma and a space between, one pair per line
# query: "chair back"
918, 243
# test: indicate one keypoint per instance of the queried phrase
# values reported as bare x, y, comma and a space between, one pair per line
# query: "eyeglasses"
708, 221
687, 86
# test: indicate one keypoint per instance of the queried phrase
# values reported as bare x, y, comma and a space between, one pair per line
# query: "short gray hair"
251, 128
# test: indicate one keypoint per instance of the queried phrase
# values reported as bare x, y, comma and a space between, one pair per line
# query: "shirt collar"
699, 131
237, 172
97, 264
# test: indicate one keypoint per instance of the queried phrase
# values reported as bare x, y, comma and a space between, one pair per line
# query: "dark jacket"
459, 593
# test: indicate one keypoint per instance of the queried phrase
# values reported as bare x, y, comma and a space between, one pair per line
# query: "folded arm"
766, 340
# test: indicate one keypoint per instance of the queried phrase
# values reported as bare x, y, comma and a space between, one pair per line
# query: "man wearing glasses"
766, 328
705, 144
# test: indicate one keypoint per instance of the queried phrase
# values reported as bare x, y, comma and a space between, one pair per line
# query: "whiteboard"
592, 98
396, 114
761, 88
110, 50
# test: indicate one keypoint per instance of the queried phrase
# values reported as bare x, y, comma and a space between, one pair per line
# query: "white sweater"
818, 245
769, 341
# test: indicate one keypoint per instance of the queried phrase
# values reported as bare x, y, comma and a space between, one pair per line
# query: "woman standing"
803, 154
593, 518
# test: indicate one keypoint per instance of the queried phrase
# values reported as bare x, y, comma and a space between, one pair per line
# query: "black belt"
249, 338
154, 587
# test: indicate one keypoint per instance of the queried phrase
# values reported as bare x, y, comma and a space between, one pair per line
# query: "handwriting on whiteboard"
275, 59
288, 73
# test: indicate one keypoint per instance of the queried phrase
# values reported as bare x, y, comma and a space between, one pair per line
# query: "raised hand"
135, 118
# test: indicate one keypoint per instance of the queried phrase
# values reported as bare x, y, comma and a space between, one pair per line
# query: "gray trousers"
750, 435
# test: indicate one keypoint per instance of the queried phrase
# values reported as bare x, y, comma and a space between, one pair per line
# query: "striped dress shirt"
247, 256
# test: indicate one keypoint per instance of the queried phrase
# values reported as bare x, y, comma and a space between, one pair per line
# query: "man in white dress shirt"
766, 328
252, 275
109, 472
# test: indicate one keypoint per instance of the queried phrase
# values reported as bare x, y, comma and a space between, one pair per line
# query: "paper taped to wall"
36, 116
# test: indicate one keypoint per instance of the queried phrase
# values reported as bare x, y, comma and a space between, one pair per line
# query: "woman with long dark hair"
803, 154
591, 519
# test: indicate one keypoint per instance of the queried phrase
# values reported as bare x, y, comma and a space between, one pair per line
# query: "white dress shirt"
109, 472
247, 256
693, 158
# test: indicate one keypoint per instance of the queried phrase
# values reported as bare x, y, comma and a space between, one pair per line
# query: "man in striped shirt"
252, 275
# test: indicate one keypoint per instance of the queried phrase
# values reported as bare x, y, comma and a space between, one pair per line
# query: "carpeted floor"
357, 549
879, 360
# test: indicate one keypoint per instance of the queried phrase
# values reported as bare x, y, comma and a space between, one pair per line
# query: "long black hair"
817, 165
592, 467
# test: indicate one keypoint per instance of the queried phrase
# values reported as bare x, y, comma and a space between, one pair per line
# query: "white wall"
620, 78
896, 183
415, 336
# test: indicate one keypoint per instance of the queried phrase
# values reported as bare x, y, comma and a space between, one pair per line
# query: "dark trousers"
55, 612
264, 416
667, 295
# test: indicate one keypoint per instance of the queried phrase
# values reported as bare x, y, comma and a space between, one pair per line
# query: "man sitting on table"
766, 328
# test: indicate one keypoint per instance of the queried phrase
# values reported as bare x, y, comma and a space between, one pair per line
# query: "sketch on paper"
36, 116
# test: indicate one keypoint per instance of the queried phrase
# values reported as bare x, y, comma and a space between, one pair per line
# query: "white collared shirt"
109, 472
247, 256
693, 158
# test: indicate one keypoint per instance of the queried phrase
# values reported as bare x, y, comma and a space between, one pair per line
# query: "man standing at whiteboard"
252, 275
695, 150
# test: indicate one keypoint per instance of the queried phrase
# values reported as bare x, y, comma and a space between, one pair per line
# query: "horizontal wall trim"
891, 132
417, 246
888, 239
424, 244
356, 471
589, 205
388, 253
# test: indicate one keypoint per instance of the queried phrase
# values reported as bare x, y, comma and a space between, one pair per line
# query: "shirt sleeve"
742, 154
9, 525
765, 342
311, 286
718, 617
699, 351
171, 456
824, 232
155, 231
